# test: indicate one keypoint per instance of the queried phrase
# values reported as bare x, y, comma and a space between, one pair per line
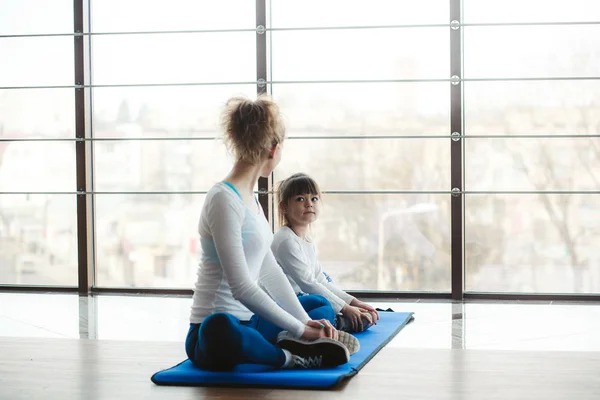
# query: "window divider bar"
456, 152
385, 296
320, 137
349, 191
309, 82
261, 87
299, 28
551, 297
82, 150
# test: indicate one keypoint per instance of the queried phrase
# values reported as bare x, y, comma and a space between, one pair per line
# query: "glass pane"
360, 54
183, 111
369, 164
385, 242
530, 11
531, 51
54, 111
159, 165
38, 239
534, 108
147, 240
37, 167
37, 61
310, 13
386, 109
533, 243
36, 16
177, 58
532, 164
158, 15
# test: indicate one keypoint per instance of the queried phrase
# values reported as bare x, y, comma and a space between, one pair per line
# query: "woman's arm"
278, 286
225, 219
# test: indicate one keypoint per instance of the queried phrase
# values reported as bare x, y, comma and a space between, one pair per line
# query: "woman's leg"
221, 342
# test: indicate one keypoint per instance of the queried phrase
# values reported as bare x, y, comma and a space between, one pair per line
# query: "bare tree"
559, 208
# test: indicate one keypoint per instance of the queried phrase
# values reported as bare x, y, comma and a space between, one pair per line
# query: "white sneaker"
319, 353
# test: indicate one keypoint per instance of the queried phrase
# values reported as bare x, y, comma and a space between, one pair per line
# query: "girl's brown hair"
295, 185
252, 127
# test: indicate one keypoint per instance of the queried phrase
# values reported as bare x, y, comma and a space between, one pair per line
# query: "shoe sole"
334, 353
351, 342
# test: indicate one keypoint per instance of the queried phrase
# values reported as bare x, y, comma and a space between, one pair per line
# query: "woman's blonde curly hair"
252, 127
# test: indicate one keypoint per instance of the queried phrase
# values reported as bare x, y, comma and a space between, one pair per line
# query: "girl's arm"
294, 264
334, 288
350, 300
225, 220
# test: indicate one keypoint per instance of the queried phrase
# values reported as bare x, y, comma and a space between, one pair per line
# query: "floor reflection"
437, 325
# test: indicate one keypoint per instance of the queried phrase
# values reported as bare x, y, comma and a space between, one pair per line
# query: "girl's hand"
318, 329
372, 311
355, 316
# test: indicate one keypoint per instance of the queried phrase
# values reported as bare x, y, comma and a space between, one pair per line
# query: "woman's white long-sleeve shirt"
298, 259
236, 256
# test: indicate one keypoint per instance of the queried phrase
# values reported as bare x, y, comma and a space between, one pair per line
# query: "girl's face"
303, 209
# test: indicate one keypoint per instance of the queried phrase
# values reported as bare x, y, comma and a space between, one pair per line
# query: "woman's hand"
318, 329
370, 309
355, 316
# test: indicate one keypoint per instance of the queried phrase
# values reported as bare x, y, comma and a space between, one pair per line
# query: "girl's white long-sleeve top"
298, 259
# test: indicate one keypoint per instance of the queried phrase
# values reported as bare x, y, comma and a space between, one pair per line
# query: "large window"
149, 239
156, 148
370, 106
364, 107
38, 231
530, 226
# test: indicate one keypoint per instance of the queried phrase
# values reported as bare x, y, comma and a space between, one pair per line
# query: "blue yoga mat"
371, 341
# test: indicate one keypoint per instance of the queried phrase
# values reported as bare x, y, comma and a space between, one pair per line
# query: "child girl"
233, 320
299, 205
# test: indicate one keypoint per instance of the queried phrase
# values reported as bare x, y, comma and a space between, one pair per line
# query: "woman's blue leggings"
222, 341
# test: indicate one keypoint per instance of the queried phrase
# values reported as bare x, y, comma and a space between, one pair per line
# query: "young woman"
233, 320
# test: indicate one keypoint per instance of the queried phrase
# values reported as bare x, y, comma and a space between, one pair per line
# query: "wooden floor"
68, 369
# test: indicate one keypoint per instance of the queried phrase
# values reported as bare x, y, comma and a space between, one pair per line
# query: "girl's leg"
317, 307
221, 342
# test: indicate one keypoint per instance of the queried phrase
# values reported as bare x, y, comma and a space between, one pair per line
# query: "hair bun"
252, 128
